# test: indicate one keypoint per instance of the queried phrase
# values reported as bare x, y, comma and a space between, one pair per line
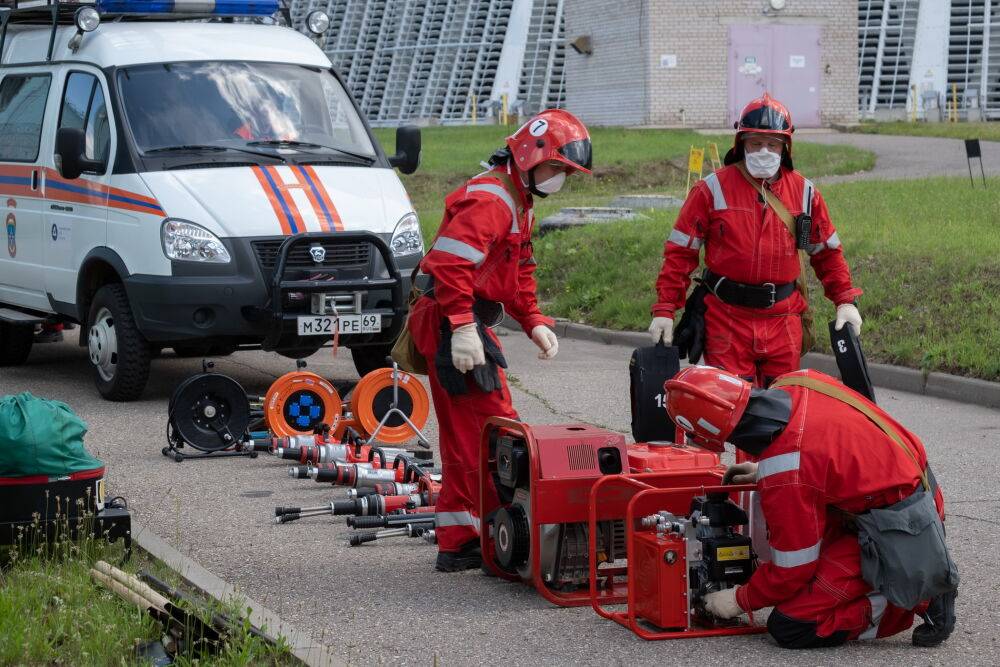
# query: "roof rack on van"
64, 12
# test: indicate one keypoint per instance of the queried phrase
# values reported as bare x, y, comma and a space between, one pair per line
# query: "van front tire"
118, 353
15, 343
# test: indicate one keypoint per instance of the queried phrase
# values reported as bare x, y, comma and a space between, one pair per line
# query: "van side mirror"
407, 157
71, 153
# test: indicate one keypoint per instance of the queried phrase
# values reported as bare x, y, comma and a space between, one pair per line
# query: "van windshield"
236, 104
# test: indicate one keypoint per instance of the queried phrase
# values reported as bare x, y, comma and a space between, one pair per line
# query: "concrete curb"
300, 643
938, 385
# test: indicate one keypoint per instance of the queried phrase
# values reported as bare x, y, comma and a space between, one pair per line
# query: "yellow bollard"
503, 109
475, 116
953, 107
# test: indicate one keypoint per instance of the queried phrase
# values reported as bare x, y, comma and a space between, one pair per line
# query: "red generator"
536, 523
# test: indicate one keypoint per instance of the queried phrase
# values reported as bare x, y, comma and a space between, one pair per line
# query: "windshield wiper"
278, 143
183, 148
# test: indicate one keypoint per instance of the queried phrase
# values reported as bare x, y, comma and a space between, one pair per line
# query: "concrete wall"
609, 86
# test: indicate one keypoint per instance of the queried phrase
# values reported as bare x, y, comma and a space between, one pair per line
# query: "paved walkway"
902, 157
384, 604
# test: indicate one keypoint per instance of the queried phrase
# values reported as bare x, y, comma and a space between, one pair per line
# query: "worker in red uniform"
480, 265
822, 456
752, 312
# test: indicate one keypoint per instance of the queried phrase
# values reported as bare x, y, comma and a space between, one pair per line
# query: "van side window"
22, 109
83, 108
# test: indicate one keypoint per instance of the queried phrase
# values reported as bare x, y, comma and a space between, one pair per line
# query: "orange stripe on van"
269, 192
324, 197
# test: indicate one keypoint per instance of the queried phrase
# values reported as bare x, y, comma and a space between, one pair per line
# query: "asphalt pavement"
385, 604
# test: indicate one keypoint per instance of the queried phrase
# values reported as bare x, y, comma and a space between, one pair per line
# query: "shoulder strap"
771, 198
832, 391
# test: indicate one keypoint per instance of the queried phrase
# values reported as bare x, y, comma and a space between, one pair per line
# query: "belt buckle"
773, 295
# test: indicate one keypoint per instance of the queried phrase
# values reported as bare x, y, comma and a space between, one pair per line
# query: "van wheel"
370, 358
118, 352
15, 343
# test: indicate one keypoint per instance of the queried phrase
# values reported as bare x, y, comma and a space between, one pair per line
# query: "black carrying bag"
689, 334
851, 360
649, 368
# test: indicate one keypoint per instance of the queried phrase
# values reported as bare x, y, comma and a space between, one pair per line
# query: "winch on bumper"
273, 287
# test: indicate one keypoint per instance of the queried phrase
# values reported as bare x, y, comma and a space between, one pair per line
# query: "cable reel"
209, 412
376, 396
299, 402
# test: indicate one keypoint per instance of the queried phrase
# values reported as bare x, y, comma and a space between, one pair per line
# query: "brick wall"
609, 86
695, 34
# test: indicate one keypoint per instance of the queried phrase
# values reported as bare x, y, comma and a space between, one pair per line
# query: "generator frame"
648, 496
569, 500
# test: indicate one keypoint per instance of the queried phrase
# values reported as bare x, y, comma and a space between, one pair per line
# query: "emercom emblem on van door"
11, 225
318, 253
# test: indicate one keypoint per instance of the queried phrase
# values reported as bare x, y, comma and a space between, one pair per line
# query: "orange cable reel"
299, 402
372, 399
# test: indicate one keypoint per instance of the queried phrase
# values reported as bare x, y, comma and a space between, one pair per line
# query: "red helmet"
553, 134
764, 115
707, 403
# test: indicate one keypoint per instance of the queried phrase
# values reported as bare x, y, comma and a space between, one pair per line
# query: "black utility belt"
741, 294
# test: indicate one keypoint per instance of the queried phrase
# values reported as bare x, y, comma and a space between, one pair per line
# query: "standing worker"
854, 515
744, 215
480, 265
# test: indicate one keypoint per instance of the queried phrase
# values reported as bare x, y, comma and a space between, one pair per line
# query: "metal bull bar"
279, 285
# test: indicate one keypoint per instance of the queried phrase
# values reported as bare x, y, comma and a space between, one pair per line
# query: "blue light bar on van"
215, 7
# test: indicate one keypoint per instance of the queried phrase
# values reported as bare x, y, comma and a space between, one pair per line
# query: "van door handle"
34, 179
58, 207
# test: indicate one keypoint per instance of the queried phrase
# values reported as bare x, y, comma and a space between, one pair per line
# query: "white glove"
546, 341
722, 604
662, 328
466, 348
848, 312
741, 473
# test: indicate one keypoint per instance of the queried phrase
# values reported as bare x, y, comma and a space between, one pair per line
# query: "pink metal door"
780, 59
796, 71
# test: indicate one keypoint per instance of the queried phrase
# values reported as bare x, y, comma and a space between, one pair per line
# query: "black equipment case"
851, 360
649, 368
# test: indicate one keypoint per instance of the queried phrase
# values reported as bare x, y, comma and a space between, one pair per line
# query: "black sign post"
973, 150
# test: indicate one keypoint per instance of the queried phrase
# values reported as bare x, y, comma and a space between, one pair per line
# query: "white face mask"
552, 185
763, 163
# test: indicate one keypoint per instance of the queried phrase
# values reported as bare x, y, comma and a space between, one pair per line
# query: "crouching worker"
854, 516
480, 265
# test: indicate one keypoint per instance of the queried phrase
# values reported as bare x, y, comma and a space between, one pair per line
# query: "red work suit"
745, 241
830, 455
482, 250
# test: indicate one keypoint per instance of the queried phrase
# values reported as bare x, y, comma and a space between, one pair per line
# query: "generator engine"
679, 560
536, 529
562, 546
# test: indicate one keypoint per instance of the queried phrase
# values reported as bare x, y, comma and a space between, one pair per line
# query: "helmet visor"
578, 152
764, 118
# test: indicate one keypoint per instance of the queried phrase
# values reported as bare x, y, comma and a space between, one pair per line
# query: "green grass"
625, 162
927, 254
52, 612
984, 131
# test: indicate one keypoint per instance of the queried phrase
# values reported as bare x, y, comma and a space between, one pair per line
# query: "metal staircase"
407, 60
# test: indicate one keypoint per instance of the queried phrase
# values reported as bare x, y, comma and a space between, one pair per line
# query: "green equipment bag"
41, 437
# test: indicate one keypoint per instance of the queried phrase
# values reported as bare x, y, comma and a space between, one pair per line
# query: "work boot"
939, 621
468, 557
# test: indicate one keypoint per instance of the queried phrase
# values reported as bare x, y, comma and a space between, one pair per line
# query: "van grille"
338, 255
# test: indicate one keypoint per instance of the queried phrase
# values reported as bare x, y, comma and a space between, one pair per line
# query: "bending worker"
744, 215
481, 264
833, 471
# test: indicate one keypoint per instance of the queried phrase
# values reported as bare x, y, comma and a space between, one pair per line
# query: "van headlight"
406, 238
185, 241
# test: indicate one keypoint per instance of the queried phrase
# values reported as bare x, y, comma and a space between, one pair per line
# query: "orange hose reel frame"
290, 384
363, 404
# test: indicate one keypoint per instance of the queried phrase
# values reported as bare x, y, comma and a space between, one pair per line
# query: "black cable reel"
208, 411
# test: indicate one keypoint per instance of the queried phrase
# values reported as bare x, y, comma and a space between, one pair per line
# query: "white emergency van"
203, 185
